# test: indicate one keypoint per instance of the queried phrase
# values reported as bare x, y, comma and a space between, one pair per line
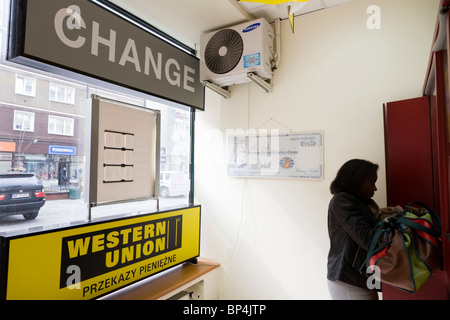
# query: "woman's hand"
391, 211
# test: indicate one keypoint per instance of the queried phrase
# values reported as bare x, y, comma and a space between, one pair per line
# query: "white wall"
270, 235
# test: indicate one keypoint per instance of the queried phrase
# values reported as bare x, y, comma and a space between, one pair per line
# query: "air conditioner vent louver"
224, 51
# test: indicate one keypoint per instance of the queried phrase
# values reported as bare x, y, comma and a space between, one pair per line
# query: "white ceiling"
186, 20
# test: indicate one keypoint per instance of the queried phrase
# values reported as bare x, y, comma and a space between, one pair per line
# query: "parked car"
21, 193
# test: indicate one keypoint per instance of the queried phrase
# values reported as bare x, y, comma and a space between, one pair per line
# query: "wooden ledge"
159, 285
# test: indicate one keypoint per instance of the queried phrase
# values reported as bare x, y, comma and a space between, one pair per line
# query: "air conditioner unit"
228, 55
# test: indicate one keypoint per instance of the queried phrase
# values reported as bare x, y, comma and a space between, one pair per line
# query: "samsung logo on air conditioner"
252, 27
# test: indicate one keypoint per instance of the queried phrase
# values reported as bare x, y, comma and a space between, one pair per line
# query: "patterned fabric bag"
407, 248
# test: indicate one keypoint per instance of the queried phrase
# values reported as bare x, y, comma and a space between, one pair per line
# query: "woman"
352, 219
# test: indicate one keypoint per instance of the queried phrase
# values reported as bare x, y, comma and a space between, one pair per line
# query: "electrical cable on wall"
244, 187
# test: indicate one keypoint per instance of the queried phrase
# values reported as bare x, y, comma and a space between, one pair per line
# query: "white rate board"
124, 152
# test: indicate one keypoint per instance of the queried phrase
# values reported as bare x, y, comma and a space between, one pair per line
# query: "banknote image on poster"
266, 154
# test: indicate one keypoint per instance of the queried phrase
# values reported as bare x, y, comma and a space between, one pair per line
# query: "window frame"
40, 90
71, 129
21, 90
67, 89
23, 113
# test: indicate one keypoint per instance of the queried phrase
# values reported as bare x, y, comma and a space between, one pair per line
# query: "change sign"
83, 37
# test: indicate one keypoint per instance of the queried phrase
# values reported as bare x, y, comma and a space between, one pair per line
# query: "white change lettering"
75, 21
139, 55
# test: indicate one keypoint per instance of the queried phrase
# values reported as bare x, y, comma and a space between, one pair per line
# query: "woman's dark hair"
352, 174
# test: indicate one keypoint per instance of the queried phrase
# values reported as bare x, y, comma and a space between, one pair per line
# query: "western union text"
105, 250
154, 233
128, 276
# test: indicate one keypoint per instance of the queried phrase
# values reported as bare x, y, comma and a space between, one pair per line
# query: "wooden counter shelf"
159, 286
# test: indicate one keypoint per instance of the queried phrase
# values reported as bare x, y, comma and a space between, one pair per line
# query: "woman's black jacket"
351, 226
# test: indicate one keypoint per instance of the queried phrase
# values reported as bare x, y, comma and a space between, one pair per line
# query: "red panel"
440, 134
408, 152
409, 173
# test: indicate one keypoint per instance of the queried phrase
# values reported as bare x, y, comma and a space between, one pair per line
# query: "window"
60, 125
23, 121
52, 142
63, 94
25, 85
175, 159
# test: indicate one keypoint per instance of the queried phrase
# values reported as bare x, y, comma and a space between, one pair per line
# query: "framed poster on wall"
125, 147
275, 155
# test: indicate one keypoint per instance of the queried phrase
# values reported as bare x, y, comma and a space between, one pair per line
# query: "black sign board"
66, 36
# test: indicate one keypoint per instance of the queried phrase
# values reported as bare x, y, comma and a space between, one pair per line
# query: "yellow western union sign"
89, 261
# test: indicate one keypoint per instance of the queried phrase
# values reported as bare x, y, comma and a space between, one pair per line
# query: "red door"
411, 174
409, 170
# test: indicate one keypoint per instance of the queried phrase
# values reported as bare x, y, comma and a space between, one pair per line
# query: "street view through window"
44, 131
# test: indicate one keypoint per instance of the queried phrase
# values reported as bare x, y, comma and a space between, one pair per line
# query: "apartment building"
42, 126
